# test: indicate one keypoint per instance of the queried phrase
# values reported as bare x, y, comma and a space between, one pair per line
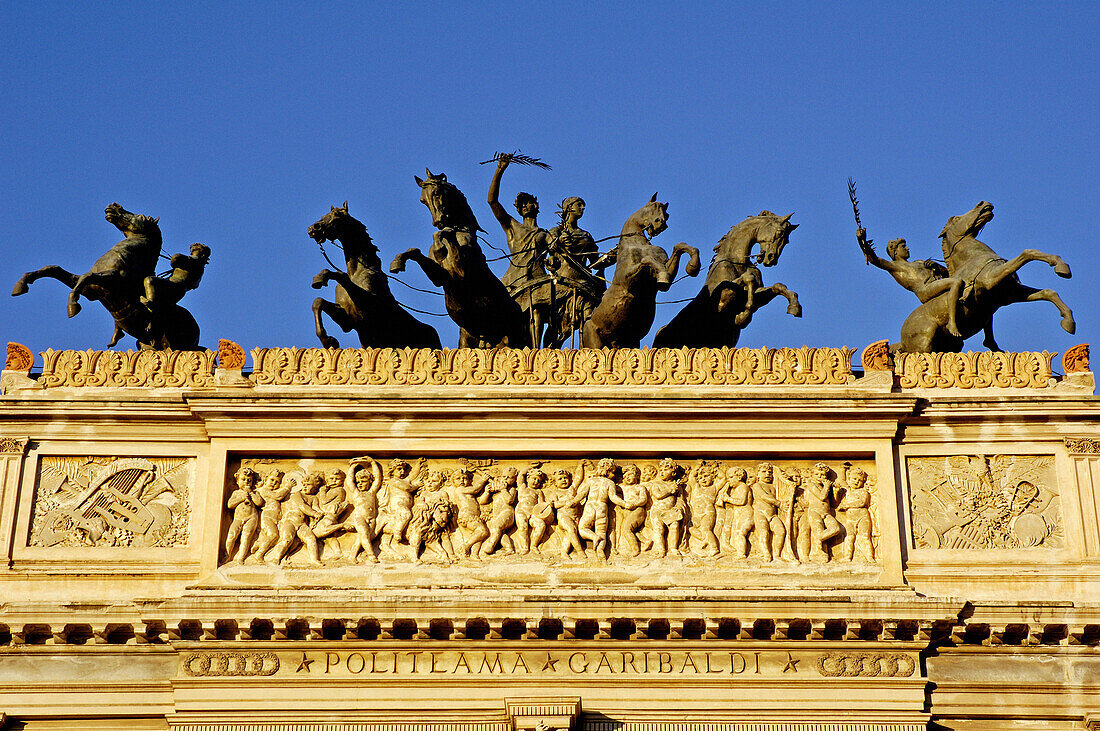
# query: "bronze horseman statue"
124, 280
959, 299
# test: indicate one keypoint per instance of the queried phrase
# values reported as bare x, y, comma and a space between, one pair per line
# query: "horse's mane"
458, 206
145, 225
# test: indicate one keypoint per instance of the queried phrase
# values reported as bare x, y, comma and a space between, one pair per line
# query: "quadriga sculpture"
988, 283
734, 289
124, 281
476, 300
627, 309
363, 300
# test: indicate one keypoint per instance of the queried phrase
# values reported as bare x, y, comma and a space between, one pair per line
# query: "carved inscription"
111, 501
301, 513
985, 502
451, 664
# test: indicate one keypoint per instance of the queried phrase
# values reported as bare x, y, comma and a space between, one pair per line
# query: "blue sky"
240, 124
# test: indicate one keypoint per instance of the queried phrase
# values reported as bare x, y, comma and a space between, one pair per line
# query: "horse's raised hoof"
74, 308
1062, 270
742, 319
319, 281
19, 288
1068, 324
794, 309
330, 342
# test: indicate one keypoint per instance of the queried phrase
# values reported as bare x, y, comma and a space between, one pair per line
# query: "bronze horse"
117, 281
363, 301
476, 300
734, 289
626, 311
989, 283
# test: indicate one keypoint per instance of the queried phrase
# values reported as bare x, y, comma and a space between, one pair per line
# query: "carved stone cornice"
1082, 445
974, 370
127, 369
585, 367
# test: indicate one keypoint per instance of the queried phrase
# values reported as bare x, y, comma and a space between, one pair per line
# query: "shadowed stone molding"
985, 502
982, 369
543, 714
507, 366
127, 369
1082, 445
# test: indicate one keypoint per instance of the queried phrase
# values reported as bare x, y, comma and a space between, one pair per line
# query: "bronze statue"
476, 300
526, 277
627, 309
734, 289
983, 281
575, 267
123, 280
363, 301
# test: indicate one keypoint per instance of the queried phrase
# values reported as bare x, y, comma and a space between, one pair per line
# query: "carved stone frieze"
128, 369
507, 366
19, 358
230, 664
985, 502
1076, 359
1082, 445
302, 513
111, 502
974, 370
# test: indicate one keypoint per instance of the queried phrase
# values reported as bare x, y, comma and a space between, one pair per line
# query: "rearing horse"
734, 289
476, 300
642, 269
989, 283
363, 300
117, 280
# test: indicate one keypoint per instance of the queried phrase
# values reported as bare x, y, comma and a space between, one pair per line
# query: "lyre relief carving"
111, 502
401, 510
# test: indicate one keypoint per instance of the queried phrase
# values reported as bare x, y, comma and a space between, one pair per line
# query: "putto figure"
120, 280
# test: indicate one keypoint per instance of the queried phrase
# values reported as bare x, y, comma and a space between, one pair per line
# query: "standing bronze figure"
363, 300
526, 277
576, 269
734, 289
476, 300
123, 280
627, 309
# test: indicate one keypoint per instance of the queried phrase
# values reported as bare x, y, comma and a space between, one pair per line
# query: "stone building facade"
497, 540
